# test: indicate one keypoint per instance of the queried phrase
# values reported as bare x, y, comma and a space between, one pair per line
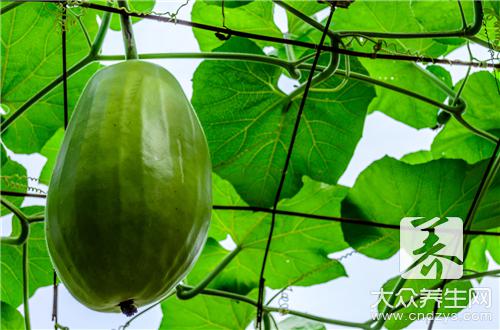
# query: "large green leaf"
390, 190
206, 313
476, 258
482, 98
31, 59
13, 178
424, 305
299, 249
248, 125
299, 323
255, 17
11, 319
401, 107
39, 265
493, 246
444, 15
50, 151
387, 16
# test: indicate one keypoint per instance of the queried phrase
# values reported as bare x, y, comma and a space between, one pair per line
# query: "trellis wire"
55, 284
492, 54
285, 168
491, 170
287, 163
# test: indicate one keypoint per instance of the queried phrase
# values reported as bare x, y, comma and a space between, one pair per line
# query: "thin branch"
26, 302
96, 46
21, 194
415, 298
127, 31
411, 58
360, 222
245, 299
288, 66
23, 220
468, 31
483, 43
188, 294
5, 9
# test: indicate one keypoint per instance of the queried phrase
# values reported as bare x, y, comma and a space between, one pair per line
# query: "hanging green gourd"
129, 202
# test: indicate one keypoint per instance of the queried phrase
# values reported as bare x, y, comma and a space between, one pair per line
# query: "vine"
293, 66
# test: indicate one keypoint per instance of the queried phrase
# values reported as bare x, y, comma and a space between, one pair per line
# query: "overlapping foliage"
248, 121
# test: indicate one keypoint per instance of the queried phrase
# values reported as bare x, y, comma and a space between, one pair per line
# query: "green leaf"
248, 125
229, 3
35, 127
206, 312
399, 106
297, 28
299, 323
493, 245
387, 16
299, 250
255, 17
482, 98
442, 15
418, 157
476, 258
389, 190
50, 151
424, 306
40, 267
442, 74
13, 178
11, 319
31, 59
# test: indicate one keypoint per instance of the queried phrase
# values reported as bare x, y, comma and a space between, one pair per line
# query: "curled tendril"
13, 182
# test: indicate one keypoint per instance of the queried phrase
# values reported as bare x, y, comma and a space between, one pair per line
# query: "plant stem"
415, 298
317, 318
94, 50
100, 36
39, 217
5, 9
126, 325
23, 220
399, 284
188, 294
127, 32
487, 179
26, 304
245, 299
35, 98
289, 66
468, 31
483, 43
244, 34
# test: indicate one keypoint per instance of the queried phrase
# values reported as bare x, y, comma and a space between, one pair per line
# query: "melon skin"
129, 201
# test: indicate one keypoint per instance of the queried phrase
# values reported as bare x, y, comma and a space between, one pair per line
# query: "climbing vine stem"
39, 217
283, 41
188, 294
127, 32
26, 303
245, 299
23, 220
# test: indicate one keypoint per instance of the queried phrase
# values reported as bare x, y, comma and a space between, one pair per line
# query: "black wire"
64, 65
66, 118
468, 221
285, 168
